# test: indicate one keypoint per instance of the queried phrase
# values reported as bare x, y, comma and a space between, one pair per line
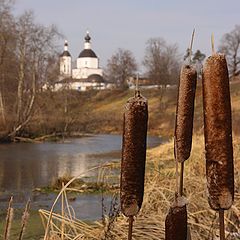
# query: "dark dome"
65, 54
95, 78
87, 53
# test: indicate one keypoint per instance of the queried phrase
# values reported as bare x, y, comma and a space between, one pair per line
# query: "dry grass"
159, 193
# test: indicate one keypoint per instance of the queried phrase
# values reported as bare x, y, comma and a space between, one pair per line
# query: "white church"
87, 74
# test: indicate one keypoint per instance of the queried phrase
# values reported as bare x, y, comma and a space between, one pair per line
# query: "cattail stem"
177, 179
137, 92
221, 224
176, 167
181, 179
191, 45
212, 42
130, 227
62, 225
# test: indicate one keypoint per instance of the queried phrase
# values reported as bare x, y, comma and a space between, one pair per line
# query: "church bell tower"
66, 62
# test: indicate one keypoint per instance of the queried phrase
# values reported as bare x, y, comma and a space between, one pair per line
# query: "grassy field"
101, 111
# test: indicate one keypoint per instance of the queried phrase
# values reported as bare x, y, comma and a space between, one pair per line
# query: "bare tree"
34, 46
120, 67
230, 45
7, 37
161, 62
27, 53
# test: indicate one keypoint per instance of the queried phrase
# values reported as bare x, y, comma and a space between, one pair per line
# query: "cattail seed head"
176, 221
133, 155
185, 112
218, 132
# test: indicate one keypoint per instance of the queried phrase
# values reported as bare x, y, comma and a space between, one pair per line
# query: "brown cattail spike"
176, 221
218, 132
185, 112
133, 155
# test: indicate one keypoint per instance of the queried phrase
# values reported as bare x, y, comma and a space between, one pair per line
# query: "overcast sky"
129, 24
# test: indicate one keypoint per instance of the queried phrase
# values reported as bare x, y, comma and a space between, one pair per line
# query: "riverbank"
160, 185
67, 113
39, 170
58, 115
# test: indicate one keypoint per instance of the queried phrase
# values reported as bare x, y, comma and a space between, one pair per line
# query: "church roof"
65, 54
87, 53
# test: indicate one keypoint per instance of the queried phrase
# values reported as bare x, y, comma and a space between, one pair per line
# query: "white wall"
85, 72
87, 62
80, 86
66, 66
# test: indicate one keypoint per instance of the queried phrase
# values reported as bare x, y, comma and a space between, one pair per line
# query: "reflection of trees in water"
22, 167
26, 166
72, 165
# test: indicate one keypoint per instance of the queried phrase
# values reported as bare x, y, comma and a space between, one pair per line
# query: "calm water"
25, 166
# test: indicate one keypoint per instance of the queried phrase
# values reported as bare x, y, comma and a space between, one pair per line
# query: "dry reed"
9, 219
158, 196
25, 218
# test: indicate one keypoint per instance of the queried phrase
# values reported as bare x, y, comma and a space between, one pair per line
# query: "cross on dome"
87, 37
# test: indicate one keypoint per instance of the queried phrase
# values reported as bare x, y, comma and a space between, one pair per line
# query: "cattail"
184, 116
133, 155
218, 133
185, 112
9, 220
176, 221
25, 218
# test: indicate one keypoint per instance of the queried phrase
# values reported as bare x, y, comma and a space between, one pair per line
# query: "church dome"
65, 54
87, 53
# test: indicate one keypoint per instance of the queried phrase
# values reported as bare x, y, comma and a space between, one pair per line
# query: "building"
87, 74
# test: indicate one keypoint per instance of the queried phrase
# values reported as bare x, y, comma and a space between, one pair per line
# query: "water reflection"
26, 166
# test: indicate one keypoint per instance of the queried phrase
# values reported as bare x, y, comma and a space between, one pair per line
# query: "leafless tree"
161, 62
230, 45
27, 60
34, 47
7, 27
120, 67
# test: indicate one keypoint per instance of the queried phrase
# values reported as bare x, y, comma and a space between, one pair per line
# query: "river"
26, 166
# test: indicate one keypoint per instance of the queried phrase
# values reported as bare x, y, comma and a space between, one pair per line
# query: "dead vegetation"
159, 192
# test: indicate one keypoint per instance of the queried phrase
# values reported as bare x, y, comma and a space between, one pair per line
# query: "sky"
128, 24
